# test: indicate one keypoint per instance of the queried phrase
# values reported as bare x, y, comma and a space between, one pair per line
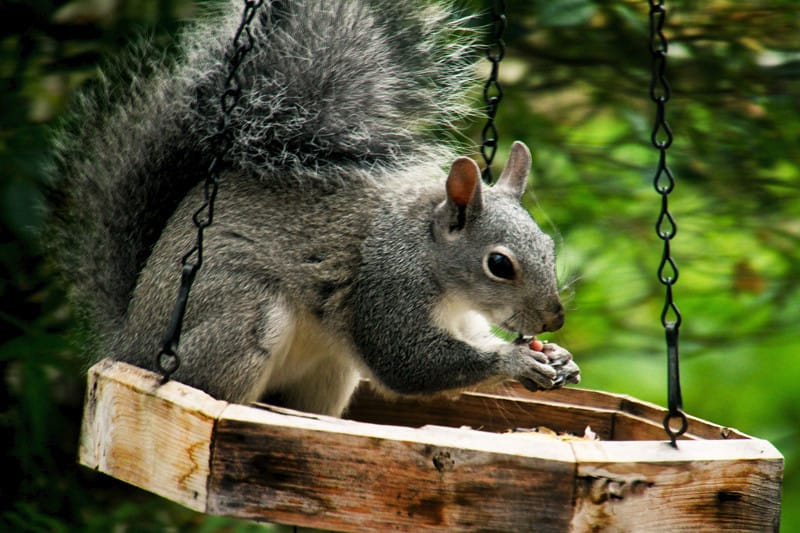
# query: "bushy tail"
330, 85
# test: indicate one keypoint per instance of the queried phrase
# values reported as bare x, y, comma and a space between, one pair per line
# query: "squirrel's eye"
500, 266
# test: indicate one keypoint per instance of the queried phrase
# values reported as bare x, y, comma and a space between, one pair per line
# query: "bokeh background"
576, 79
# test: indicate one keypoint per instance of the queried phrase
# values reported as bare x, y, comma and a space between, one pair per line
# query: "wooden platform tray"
379, 471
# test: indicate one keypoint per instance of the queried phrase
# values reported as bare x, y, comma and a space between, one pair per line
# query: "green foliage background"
576, 81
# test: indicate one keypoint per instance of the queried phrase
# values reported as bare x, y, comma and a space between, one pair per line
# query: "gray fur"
335, 250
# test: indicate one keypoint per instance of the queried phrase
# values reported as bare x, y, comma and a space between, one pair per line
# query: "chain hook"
167, 360
666, 228
674, 397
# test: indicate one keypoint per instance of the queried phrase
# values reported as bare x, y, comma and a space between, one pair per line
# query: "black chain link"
492, 90
167, 360
666, 228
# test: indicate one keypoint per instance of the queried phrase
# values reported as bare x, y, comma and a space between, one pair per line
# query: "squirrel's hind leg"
232, 354
316, 372
326, 389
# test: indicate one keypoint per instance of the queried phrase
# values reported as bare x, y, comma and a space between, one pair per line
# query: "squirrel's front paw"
560, 359
534, 370
550, 367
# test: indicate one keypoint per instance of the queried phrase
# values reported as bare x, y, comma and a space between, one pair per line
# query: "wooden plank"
709, 485
635, 428
492, 412
352, 476
698, 428
154, 437
567, 395
484, 411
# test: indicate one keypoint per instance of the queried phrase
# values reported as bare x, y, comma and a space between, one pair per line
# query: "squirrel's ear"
515, 176
464, 197
464, 183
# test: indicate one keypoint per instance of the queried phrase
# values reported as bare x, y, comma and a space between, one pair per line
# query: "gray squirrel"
341, 248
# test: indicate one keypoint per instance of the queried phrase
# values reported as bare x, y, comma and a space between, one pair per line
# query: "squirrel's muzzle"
553, 318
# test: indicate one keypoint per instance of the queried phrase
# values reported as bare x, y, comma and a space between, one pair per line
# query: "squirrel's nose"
554, 317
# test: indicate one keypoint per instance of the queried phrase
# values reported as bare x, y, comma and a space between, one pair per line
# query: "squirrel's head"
490, 253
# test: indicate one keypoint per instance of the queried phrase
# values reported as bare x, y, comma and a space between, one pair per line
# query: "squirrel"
347, 241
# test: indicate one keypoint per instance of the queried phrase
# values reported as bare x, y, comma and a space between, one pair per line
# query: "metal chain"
664, 183
492, 90
167, 360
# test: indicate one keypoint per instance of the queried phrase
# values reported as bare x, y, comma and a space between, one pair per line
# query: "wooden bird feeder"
440, 465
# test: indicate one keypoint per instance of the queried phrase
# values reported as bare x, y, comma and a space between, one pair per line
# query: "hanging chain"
167, 360
492, 90
664, 183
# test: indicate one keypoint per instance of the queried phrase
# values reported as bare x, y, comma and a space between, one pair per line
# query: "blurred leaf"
565, 12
